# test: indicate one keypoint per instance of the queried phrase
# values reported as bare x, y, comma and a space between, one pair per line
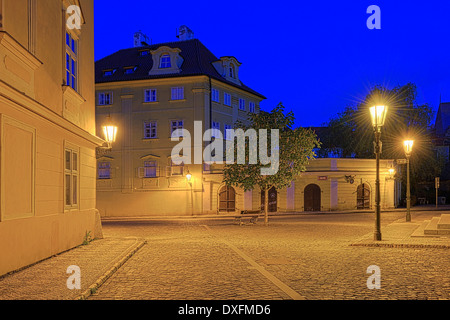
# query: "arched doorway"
273, 200
227, 199
312, 197
363, 196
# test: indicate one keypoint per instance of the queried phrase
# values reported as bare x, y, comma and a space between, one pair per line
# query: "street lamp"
378, 114
109, 131
189, 177
407, 145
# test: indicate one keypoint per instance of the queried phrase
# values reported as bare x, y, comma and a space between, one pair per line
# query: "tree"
352, 130
294, 150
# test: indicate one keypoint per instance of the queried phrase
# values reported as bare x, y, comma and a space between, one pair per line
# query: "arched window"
227, 199
232, 71
164, 61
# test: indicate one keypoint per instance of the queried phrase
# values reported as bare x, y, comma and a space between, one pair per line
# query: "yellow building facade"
150, 90
47, 129
146, 102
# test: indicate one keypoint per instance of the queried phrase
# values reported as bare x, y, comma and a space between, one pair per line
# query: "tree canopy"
294, 150
351, 130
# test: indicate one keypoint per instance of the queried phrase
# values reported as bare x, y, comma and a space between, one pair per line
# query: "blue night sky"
316, 57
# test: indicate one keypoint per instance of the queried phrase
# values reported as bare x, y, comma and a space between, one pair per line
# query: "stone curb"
93, 288
401, 245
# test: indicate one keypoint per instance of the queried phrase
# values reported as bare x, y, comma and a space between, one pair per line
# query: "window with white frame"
164, 61
71, 61
251, 107
227, 99
176, 169
150, 169
176, 124
177, 93
104, 170
150, 130
227, 127
150, 95
231, 71
242, 104
216, 126
215, 95
71, 174
105, 98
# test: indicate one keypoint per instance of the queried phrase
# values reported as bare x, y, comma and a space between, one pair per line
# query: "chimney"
184, 33
140, 39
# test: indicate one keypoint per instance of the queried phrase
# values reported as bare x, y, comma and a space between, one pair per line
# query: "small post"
436, 185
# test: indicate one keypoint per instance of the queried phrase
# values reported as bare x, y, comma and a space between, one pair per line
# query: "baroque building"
151, 90
47, 129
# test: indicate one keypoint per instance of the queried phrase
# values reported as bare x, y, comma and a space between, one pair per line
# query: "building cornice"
20, 101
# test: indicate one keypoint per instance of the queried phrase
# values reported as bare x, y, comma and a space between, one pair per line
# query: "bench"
253, 215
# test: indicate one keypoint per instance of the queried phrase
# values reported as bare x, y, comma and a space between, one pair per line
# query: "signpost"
436, 185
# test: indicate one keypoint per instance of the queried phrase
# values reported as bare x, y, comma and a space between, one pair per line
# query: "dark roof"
197, 61
442, 119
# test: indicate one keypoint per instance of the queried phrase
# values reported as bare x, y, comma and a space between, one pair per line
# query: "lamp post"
189, 180
378, 114
407, 145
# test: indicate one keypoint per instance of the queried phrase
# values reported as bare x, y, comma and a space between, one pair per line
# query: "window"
176, 124
150, 169
176, 169
70, 178
164, 61
227, 99
104, 170
108, 73
71, 62
150, 131
232, 74
150, 95
242, 104
129, 70
105, 98
144, 53
215, 95
251, 107
215, 125
227, 127
177, 93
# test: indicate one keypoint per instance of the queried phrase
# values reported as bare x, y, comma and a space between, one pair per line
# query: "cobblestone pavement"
301, 257
47, 280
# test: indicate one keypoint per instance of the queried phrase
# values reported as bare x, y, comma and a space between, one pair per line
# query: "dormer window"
228, 67
144, 53
129, 70
165, 61
108, 73
232, 73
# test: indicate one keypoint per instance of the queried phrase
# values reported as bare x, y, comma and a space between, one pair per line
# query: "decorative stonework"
175, 60
228, 67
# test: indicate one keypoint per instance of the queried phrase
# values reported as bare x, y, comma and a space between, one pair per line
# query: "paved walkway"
100, 259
